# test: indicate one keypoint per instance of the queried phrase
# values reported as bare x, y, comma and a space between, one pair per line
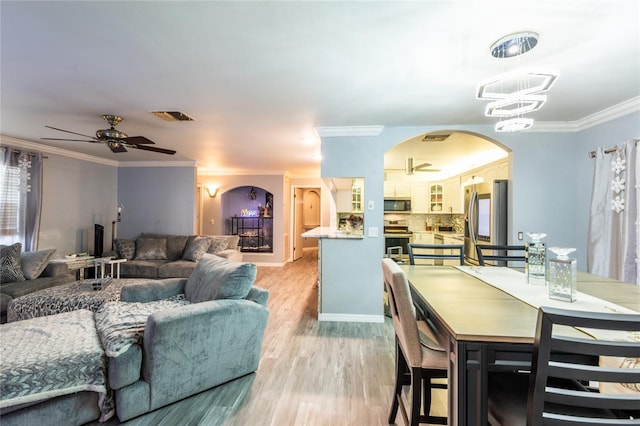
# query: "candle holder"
562, 275
536, 259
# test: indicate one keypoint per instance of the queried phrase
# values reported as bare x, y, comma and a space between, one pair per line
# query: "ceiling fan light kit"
517, 93
116, 140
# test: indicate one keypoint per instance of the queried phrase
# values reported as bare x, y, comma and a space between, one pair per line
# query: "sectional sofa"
25, 272
159, 256
165, 340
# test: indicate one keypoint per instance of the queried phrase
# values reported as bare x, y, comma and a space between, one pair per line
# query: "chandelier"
518, 92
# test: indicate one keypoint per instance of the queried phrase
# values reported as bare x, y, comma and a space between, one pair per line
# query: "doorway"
306, 216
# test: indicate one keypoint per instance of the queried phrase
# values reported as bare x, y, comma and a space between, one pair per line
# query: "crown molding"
20, 143
8, 140
607, 114
340, 131
186, 163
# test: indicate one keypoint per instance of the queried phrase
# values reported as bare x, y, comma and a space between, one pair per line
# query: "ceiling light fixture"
519, 92
514, 124
514, 44
517, 83
510, 107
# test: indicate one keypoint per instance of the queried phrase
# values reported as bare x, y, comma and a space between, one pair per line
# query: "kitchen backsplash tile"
418, 222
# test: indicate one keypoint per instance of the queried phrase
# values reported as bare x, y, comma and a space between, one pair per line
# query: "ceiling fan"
409, 168
116, 140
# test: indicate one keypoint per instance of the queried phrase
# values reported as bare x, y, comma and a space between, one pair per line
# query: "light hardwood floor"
310, 373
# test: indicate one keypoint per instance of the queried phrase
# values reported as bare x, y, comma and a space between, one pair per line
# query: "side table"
104, 261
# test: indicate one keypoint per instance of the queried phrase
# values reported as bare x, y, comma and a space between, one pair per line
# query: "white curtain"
614, 228
20, 197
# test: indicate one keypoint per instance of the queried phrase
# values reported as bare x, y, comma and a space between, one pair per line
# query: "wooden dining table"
488, 330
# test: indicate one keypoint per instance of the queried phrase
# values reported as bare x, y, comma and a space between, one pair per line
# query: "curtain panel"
20, 197
612, 246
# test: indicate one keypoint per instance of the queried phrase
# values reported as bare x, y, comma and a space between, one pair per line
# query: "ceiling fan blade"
423, 168
68, 131
70, 140
153, 148
135, 140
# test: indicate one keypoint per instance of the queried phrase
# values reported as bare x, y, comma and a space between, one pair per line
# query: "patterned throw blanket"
52, 356
65, 298
121, 324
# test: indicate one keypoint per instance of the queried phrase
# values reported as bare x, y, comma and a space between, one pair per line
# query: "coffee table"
65, 298
76, 264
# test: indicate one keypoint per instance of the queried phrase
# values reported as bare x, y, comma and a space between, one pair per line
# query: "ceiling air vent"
172, 115
432, 137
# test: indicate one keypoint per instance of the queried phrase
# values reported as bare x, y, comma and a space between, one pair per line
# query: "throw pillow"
217, 278
217, 245
34, 262
196, 248
126, 249
10, 267
151, 249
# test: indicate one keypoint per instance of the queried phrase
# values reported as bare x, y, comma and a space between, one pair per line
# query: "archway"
433, 170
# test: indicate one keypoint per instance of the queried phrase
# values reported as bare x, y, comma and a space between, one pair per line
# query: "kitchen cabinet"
453, 196
343, 201
450, 240
420, 237
436, 198
351, 198
420, 198
397, 189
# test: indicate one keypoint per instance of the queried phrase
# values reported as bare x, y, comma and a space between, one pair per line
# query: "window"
9, 207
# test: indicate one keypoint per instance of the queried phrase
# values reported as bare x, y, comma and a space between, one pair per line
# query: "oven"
396, 240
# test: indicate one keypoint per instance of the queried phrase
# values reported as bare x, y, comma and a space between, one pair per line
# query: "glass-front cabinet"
435, 198
348, 195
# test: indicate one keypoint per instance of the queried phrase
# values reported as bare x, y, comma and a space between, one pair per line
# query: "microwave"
397, 205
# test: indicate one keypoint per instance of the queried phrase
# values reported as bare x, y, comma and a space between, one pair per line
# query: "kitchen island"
340, 279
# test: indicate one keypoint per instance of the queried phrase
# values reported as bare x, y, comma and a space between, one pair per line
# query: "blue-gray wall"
550, 191
157, 200
76, 195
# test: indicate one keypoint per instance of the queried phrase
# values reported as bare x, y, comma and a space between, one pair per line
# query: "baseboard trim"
351, 318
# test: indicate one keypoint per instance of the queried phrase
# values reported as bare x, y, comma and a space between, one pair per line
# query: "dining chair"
435, 252
500, 254
420, 357
589, 380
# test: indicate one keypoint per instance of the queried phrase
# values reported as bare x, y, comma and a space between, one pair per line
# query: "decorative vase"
536, 259
562, 275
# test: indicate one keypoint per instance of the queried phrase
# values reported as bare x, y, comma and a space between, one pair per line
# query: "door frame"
292, 213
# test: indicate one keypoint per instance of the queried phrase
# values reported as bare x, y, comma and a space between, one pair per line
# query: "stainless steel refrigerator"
485, 221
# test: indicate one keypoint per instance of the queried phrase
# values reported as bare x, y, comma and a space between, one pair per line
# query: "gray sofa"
211, 338
159, 256
31, 272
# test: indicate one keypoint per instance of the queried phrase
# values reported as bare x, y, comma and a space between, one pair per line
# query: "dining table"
488, 328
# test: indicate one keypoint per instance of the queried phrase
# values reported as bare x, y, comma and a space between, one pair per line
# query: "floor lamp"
113, 226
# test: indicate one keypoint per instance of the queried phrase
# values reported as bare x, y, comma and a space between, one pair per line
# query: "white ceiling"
258, 77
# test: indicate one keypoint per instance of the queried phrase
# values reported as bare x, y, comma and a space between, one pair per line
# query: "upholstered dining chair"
435, 252
574, 380
419, 355
500, 254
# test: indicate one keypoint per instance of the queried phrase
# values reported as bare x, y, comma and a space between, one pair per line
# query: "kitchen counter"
327, 232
